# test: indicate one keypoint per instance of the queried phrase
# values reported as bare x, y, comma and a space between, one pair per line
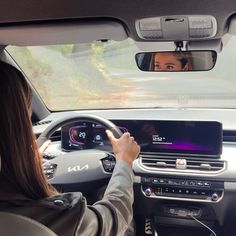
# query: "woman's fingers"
111, 136
44, 146
125, 148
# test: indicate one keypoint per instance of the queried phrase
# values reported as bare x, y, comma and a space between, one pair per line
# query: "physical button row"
148, 180
177, 192
185, 191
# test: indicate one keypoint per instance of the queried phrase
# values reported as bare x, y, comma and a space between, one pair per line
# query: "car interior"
94, 66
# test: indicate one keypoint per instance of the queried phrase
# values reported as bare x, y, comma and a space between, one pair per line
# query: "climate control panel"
182, 189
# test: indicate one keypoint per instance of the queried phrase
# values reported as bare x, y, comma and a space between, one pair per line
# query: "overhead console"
185, 27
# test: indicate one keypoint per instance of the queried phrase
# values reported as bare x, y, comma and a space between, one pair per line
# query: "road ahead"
172, 89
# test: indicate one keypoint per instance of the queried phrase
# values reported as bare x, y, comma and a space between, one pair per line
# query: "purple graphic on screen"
181, 145
76, 133
123, 129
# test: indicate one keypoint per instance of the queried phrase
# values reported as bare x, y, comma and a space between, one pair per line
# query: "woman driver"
24, 188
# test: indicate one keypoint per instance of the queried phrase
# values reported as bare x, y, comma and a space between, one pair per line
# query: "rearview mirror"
176, 61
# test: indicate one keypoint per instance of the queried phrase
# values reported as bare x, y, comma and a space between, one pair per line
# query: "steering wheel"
78, 167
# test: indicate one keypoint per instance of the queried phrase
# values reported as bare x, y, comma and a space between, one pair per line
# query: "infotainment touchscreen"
202, 138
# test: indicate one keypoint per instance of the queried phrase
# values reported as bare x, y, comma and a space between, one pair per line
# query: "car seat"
13, 224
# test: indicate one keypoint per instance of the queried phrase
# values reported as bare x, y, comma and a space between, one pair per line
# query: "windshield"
104, 75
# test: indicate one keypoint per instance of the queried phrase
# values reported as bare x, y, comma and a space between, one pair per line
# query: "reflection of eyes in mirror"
170, 62
176, 61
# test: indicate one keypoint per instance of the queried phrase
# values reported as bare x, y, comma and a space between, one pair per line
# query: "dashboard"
164, 145
226, 118
201, 138
204, 185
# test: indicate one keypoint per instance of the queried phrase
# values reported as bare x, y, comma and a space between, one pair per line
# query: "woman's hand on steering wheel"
44, 146
125, 148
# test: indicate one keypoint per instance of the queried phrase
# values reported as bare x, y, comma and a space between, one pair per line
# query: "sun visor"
155, 46
49, 34
215, 45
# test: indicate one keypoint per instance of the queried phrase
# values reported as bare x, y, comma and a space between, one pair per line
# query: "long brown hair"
20, 159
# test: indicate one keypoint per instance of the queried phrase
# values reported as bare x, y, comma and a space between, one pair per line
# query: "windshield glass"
104, 75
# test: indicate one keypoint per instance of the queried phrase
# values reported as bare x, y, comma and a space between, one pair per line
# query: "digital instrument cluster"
154, 136
84, 135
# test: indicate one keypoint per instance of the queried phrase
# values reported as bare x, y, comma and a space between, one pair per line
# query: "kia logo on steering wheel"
78, 168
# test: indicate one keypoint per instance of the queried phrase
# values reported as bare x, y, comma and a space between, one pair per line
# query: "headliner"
126, 11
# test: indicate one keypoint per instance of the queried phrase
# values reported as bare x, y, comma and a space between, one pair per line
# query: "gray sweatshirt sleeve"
113, 214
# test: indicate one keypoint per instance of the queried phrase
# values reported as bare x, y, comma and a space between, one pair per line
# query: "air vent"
43, 122
229, 136
56, 136
149, 161
205, 165
169, 164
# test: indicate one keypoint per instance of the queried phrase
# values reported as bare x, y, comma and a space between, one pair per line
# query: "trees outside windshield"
104, 75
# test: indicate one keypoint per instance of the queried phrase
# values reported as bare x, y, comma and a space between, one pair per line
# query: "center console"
182, 189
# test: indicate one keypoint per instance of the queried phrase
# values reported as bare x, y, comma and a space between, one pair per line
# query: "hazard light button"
181, 163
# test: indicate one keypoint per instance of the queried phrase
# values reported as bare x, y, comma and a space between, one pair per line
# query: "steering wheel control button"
49, 169
110, 157
109, 163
